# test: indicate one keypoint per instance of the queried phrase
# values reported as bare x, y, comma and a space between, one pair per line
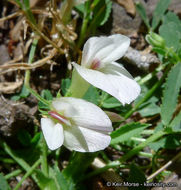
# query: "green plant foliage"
78, 164
176, 123
111, 103
168, 142
171, 17
149, 108
158, 12
102, 11
23, 94
126, 132
65, 84
170, 94
136, 176
45, 183
60, 180
92, 95
141, 10
172, 34
36, 138
46, 94
97, 13
24, 137
3, 183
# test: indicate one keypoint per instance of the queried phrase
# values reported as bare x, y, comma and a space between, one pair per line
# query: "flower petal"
115, 69
121, 87
85, 114
85, 140
104, 49
121, 44
91, 47
53, 133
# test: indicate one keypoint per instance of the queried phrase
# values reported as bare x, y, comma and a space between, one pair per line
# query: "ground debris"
141, 59
13, 116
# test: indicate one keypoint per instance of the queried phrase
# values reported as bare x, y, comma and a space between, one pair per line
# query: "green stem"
101, 170
20, 161
78, 164
57, 154
135, 150
27, 73
28, 173
83, 32
145, 154
66, 10
44, 158
12, 174
7, 160
34, 93
148, 94
150, 75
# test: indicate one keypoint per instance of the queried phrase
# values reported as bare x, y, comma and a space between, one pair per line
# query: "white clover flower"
77, 124
98, 67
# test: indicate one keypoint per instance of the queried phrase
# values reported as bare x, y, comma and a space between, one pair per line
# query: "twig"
46, 38
164, 167
25, 66
10, 16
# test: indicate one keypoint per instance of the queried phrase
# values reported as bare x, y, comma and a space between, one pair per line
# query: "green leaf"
23, 94
137, 177
171, 32
3, 183
158, 12
36, 138
78, 165
142, 12
46, 94
101, 12
170, 94
111, 103
24, 137
171, 17
168, 142
92, 95
127, 131
45, 183
65, 84
176, 123
149, 110
19, 3
60, 179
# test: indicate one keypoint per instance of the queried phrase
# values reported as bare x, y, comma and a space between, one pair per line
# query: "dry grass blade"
26, 66
164, 167
10, 87
10, 16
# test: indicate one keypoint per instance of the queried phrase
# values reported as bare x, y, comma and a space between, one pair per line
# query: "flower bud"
155, 40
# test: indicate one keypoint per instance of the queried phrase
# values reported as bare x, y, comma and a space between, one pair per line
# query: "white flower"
98, 67
77, 124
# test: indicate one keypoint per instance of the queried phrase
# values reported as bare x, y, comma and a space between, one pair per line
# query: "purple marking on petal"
95, 64
59, 117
